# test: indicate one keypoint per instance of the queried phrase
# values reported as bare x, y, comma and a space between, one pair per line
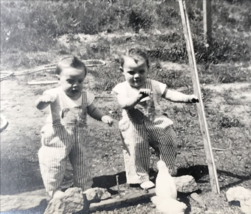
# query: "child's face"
135, 71
71, 81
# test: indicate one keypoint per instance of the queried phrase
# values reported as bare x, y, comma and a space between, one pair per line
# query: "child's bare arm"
177, 96
95, 113
134, 99
43, 101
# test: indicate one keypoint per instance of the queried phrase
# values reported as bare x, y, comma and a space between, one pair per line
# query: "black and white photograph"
125, 106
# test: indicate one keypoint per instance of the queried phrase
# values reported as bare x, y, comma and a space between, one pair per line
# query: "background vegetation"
29, 27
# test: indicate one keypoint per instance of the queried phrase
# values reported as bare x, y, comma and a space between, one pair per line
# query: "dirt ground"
20, 143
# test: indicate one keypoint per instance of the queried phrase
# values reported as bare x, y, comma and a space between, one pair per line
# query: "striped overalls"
64, 138
141, 127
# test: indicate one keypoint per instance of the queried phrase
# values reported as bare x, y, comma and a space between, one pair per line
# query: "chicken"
168, 205
165, 184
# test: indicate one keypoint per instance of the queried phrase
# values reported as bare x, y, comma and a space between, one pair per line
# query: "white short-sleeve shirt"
125, 89
158, 88
61, 101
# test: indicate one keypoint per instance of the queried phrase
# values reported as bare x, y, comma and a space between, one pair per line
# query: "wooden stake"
207, 21
128, 198
200, 106
117, 181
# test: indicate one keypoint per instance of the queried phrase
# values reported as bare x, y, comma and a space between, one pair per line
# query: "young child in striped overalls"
65, 134
143, 121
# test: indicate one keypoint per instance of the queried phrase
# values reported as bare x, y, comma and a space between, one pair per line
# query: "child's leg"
136, 151
165, 141
52, 155
79, 158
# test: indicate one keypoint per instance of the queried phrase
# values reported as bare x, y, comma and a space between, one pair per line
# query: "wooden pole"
207, 21
183, 19
185, 30
200, 106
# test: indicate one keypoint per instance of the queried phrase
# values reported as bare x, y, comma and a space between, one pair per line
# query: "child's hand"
107, 119
43, 101
145, 94
193, 99
45, 98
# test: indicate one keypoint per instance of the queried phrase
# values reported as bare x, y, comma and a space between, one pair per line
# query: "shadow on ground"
19, 176
108, 181
199, 172
36, 210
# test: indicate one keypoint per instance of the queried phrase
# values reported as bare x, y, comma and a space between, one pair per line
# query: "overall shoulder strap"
84, 99
154, 94
149, 84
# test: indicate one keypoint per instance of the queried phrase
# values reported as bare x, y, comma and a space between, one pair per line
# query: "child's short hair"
136, 52
70, 61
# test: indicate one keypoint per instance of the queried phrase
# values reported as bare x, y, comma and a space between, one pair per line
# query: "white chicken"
168, 205
166, 192
165, 184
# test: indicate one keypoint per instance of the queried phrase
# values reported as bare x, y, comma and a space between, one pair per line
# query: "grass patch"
110, 75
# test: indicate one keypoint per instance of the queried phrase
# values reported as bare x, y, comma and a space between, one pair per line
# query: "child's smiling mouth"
137, 81
74, 91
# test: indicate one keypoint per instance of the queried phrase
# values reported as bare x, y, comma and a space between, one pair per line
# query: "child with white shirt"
143, 121
65, 133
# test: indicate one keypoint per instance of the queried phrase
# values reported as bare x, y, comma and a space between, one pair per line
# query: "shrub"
222, 49
139, 19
